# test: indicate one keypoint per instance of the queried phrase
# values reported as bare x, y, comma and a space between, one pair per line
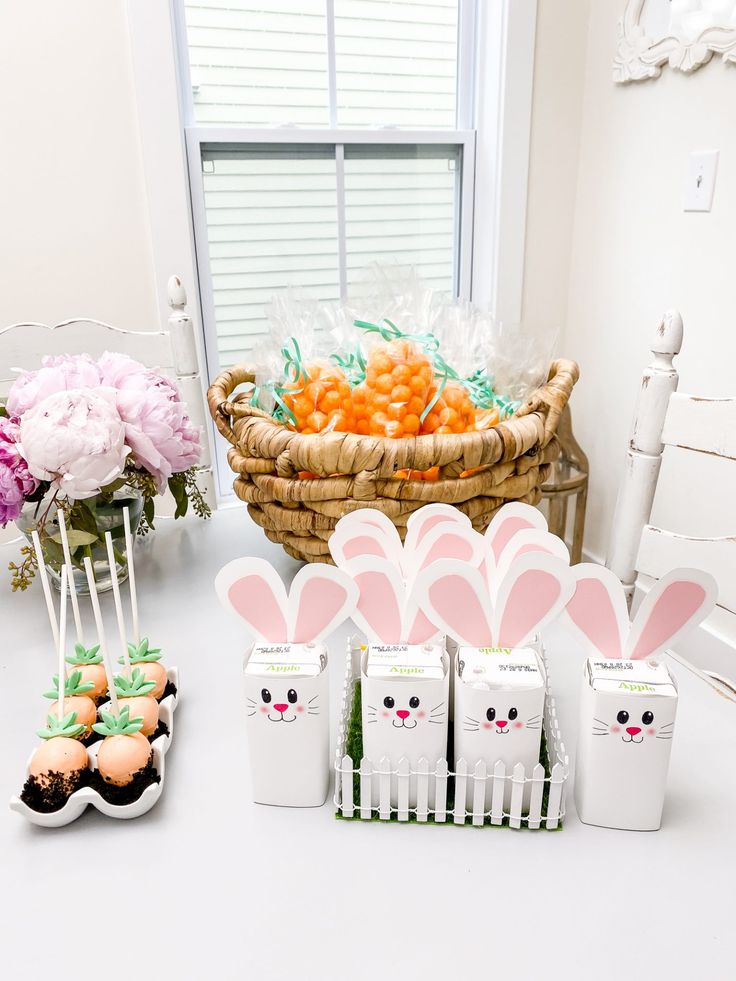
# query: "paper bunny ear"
677, 602
426, 518
253, 589
320, 598
507, 522
365, 532
381, 594
597, 610
533, 592
523, 542
455, 598
446, 540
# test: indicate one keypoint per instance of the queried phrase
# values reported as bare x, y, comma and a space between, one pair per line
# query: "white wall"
559, 70
636, 253
75, 236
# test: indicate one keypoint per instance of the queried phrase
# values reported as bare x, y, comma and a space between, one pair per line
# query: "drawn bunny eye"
647, 718
491, 715
413, 702
513, 713
388, 702
622, 718
266, 695
291, 695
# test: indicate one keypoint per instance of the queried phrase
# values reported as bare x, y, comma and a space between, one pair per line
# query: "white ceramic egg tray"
79, 800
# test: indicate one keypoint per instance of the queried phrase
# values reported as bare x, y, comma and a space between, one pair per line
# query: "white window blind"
322, 136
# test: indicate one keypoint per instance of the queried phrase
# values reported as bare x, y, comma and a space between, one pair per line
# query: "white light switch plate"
700, 181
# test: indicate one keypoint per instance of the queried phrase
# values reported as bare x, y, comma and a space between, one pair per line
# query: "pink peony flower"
16, 483
157, 428
76, 440
57, 374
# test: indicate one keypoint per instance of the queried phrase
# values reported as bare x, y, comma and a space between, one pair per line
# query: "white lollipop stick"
61, 518
101, 633
46, 585
118, 603
62, 645
131, 576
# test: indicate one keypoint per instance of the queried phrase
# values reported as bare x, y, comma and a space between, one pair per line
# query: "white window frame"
496, 49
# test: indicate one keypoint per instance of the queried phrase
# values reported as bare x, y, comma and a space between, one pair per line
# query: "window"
323, 135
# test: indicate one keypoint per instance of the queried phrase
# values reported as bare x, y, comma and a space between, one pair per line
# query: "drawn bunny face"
399, 707
501, 718
284, 702
637, 722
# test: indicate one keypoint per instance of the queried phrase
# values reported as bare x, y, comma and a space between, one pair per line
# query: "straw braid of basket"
358, 471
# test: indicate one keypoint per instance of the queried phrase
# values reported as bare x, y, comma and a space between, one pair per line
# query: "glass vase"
107, 515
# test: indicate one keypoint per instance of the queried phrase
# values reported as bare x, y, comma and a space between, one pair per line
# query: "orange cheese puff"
320, 392
397, 382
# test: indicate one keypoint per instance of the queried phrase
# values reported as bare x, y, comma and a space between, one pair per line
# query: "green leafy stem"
85, 655
142, 653
118, 725
73, 685
68, 727
136, 685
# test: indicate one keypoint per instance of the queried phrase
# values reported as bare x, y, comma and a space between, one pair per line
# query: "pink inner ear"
449, 546
506, 532
429, 523
363, 545
320, 601
458, 605
532, 548
678, 602
379, 605
591, 610
254, 600
531, 598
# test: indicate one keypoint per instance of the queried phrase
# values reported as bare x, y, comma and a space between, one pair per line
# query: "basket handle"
225, 410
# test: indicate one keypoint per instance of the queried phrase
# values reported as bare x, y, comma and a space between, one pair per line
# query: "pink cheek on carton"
300, 708
651, 732
615, 728
264, 709
385, 714
518, 725
420, 715
486, 725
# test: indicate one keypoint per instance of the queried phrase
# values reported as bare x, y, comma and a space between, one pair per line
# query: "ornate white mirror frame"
639, 57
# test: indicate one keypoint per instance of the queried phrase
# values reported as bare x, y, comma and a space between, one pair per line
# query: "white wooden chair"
639, 552
173, 350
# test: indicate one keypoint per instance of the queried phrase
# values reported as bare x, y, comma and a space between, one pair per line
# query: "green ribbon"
353, 365
295, 374
392, 333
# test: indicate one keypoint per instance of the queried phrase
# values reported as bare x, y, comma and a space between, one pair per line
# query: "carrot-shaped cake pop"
136, 693
140, 653
76, 699
148, 661
87, 661
61, 756
124, 751
58, 764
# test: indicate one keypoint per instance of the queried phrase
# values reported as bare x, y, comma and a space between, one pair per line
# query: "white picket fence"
436, 784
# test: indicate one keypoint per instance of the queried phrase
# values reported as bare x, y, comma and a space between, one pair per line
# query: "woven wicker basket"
300, 514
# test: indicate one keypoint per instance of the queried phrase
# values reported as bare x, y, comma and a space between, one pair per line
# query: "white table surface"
216, 887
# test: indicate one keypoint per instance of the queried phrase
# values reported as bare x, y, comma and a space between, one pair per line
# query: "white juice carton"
287, 707
404, 701
499, 707
627, 718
